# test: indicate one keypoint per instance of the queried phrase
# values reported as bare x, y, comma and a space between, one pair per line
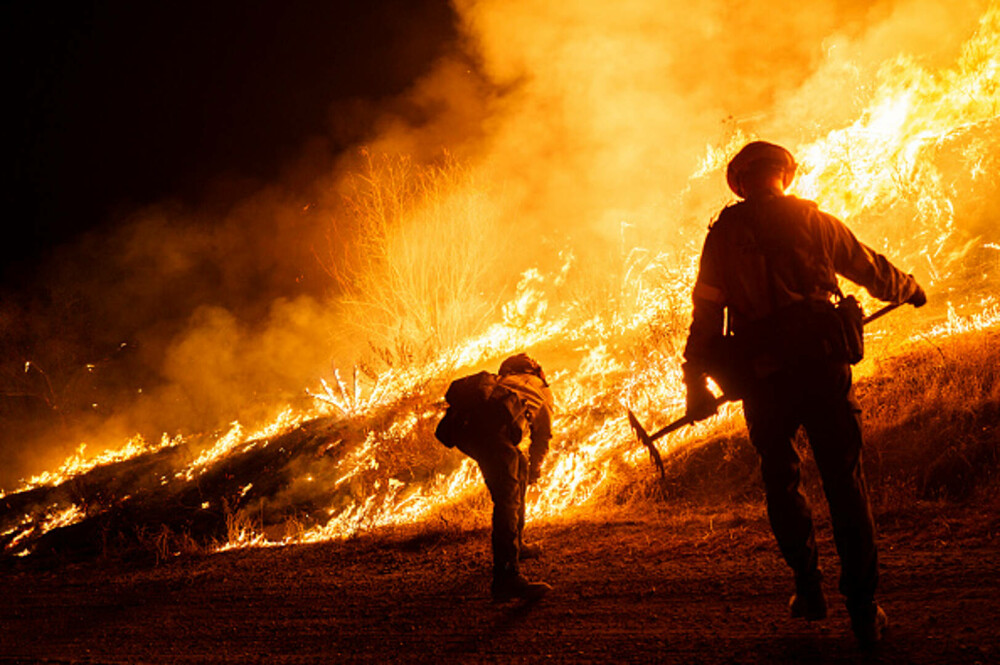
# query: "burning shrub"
416, 256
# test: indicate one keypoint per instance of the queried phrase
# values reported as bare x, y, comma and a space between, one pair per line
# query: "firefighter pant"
505, 470
818, 396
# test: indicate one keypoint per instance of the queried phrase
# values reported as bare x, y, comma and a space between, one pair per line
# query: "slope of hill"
692, 576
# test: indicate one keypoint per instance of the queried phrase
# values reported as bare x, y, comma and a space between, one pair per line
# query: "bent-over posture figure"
767, 275
508, 473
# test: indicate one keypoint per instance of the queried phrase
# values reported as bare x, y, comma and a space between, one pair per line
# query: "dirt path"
695, 588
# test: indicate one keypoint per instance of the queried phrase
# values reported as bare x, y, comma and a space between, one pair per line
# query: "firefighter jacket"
536, 417
766, 253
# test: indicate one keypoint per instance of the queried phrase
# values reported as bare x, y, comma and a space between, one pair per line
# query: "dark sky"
115, 104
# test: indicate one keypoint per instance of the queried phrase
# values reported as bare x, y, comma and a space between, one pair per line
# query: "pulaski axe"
648, 440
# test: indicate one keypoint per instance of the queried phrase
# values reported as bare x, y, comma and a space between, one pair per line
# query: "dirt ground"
684, 585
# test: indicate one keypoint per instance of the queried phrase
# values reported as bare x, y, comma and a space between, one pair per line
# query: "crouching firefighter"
487, 416
765, 328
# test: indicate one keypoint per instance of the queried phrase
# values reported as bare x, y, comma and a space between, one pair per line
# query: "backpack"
479, 405
802, 330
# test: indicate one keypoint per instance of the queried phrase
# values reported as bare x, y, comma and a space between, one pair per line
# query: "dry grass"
930, 415
933, 419
416, 255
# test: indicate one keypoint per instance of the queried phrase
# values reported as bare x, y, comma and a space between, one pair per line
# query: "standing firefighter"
765, 329
487, 416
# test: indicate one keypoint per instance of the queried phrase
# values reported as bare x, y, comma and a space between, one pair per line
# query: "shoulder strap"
766, 250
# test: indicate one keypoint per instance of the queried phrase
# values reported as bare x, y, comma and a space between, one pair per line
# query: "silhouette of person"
508, 473
767, 275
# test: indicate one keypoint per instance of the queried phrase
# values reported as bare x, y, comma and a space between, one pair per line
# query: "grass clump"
415, 255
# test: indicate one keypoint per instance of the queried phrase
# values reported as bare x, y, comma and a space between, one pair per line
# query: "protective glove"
919, 298
700, 400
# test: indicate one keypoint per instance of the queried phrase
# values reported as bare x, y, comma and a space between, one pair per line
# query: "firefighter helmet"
753, 155
521, 363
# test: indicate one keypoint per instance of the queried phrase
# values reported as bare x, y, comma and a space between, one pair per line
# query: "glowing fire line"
883, 162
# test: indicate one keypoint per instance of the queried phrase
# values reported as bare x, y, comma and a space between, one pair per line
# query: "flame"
897, 173
879, 169
885, 160
80, 463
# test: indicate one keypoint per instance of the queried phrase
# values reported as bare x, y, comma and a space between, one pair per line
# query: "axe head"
640, 431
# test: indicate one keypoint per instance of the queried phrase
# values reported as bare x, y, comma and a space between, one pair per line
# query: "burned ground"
681, 583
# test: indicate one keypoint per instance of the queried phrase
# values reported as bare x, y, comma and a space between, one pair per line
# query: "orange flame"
896, 173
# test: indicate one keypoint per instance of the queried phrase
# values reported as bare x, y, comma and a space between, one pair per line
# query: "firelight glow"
916, 152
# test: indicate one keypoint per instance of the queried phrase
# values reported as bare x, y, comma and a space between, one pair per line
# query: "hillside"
244, 385
692, 576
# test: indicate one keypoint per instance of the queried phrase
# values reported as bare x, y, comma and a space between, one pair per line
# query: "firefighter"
508, 473
767, 276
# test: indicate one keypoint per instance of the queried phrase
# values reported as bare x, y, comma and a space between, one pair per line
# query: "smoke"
595, 115
176, 321
598, 114
588, 118
613, 105
835, 91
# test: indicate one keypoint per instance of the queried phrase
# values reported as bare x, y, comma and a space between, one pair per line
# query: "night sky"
156, 159
117, 104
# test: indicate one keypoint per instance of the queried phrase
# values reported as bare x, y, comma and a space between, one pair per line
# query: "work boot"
868, 621
511, 587
808, 604
529, 551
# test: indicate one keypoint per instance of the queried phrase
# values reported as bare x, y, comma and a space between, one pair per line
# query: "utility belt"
801, 333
